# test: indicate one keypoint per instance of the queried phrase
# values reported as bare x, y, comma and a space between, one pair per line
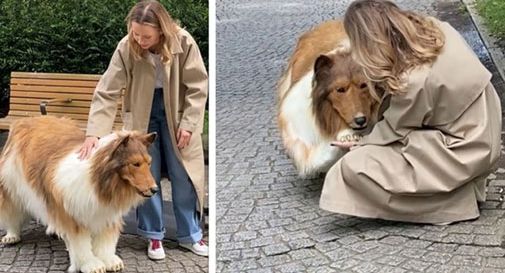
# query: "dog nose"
360, 120
154, 190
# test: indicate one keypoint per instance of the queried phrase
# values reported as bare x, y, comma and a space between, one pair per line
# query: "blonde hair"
387, 41
152, 13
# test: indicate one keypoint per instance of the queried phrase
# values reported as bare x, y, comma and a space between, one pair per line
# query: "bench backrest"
72, 92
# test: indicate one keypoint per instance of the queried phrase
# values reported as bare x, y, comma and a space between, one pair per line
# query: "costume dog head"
341, 98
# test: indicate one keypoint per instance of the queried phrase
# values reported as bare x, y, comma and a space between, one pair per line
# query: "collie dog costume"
323, 96
82, 201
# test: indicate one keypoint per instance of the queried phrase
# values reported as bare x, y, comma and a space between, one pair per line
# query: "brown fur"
334, 111
47, 140
120, 169
341, 94
337, 100
320, 40
120, 175
39, 137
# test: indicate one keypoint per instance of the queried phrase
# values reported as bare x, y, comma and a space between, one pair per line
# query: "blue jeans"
150, 213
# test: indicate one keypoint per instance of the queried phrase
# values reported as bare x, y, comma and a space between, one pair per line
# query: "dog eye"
136, 164
363, 86
341, 90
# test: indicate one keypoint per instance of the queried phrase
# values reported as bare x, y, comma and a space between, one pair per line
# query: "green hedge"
76, 36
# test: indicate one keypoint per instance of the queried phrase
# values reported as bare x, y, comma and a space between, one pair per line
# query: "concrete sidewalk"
268, 219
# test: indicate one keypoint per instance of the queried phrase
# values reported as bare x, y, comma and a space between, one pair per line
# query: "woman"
427, 158
159, 68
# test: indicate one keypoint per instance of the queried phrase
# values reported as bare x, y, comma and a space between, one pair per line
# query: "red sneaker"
155, 250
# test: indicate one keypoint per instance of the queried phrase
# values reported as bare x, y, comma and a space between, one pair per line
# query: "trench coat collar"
175, 42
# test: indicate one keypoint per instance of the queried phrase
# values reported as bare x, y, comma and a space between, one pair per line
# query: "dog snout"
360, 121
154, 190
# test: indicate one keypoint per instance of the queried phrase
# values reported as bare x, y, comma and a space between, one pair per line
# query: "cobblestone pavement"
38, 252
41, 253
268, 219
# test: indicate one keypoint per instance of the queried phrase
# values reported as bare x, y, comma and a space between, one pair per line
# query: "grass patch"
493, 12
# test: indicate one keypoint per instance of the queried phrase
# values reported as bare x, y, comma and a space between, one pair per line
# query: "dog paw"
113, 263
352, 137
10, 239
72, 269
93, 266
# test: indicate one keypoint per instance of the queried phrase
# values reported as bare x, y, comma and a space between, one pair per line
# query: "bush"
76, 36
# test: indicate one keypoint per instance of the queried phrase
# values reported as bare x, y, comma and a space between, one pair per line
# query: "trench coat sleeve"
406, 112
194, 80
107, 93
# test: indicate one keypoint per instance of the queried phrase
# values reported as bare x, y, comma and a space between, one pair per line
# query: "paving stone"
340, 253
461, 260
303, 254
392, 260
412, 253
240, 266
416, 265
468, 250
437, 257
315, 262
321, 269
488, 240
301, 243
274, 260
250, 253
293, 267
275, 249
437, 268
244, 235
345, 264
394, 240
495, 262
492, 252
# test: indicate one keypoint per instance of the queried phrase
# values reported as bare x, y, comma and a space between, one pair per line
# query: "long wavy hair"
152, 13
388, 41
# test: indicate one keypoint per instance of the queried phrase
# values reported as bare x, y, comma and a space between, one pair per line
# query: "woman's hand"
344, 144
183, 138
87, 147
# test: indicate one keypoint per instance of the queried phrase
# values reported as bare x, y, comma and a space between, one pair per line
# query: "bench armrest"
44, 103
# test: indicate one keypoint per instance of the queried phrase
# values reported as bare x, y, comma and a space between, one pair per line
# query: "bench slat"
7, 121
30, 101
74, 103
52, 82
83, 117
53, 109
66, 76
63, 89
50, 109
51, 95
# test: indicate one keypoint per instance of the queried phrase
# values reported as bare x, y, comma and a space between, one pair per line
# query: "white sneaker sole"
156, 257
199, 253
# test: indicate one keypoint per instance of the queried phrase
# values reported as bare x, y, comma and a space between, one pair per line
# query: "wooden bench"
58, 94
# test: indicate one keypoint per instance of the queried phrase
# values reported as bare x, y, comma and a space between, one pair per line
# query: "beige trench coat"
427, 159
185, 89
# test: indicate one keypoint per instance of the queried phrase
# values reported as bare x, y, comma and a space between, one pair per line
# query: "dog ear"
122, 141
148, 139
322, 67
